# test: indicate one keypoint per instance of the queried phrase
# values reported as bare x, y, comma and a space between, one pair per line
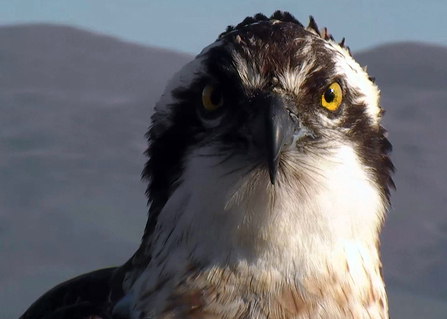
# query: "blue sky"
189, 25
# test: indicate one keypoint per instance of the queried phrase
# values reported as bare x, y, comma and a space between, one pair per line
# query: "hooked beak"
274, 129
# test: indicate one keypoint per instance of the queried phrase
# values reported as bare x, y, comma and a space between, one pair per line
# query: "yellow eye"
212, 98
331, 98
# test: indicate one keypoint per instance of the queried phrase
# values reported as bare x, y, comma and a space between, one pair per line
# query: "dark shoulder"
85, 296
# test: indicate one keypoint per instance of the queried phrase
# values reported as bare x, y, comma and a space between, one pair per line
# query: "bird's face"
271, 89
270, 107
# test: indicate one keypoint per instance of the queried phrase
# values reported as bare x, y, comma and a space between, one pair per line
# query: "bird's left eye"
332, 97
212, 98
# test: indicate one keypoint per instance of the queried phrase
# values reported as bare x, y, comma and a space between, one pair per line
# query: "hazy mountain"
407, 65
74, 107
412, 78
405, 305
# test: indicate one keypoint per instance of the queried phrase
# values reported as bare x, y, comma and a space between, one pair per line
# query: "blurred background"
79, 79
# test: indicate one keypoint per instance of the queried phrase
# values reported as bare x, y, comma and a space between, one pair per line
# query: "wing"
87, 296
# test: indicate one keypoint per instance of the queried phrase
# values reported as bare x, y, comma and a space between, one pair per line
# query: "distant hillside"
412, 78
65, 58
407, 65
74, 107
405, 305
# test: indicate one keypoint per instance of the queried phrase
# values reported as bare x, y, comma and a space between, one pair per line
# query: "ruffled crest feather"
283, 16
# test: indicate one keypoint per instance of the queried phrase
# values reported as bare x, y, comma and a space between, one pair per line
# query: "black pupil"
329, 95
215, 97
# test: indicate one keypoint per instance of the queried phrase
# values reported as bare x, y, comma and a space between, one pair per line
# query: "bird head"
271, 134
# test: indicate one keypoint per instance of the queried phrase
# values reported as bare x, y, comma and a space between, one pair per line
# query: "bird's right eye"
212, 98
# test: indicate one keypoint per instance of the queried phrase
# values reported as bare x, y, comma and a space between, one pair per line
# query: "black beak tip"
272, 176
273, 168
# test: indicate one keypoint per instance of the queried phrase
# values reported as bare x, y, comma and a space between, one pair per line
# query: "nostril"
293, 116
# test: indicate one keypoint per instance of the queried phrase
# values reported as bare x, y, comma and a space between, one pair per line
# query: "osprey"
269, 178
